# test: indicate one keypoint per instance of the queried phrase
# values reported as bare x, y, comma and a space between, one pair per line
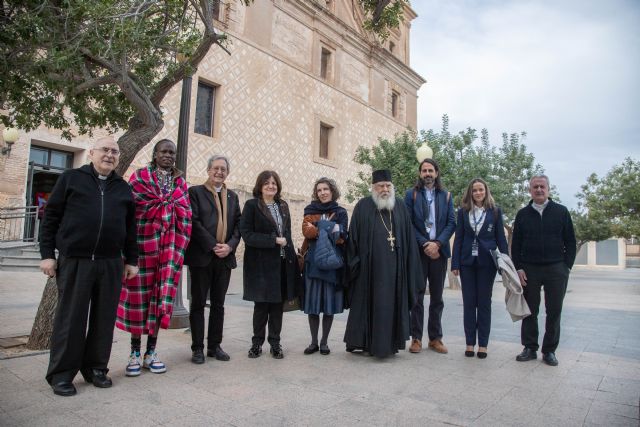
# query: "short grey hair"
218, 157
541, 176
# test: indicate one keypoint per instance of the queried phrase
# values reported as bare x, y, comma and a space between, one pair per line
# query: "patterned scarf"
164, 229
220, 200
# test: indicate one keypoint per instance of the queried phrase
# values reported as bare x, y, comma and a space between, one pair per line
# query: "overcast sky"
567, 72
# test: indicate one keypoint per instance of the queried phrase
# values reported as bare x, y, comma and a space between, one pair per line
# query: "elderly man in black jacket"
211, 256
543, 251
90, 219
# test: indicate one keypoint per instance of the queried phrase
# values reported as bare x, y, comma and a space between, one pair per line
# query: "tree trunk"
40, 338
136, 137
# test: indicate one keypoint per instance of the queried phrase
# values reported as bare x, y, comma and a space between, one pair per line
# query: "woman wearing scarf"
322, 288
163, 216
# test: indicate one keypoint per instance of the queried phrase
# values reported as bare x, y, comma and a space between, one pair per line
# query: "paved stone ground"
596, 383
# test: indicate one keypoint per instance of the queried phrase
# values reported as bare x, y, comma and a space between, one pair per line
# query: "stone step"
19, 267
20, 259
633, 262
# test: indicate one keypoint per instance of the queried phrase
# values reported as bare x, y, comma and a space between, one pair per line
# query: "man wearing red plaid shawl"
163, 215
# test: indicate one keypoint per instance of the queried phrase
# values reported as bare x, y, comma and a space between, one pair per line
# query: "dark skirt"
322, 297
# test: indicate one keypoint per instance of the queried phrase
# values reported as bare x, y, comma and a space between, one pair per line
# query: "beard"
428, 181
384, 202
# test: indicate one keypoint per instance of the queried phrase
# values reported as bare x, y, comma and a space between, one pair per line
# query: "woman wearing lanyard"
479, 230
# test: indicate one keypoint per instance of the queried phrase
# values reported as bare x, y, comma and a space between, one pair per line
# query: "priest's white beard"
384, 202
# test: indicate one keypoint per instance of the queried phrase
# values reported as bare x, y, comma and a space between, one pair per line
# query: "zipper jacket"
86, 220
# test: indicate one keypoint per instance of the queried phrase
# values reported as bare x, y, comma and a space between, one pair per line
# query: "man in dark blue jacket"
90, 220
543, 249
433, 219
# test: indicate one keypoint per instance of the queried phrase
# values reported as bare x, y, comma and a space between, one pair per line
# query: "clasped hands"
221, 250
432, 250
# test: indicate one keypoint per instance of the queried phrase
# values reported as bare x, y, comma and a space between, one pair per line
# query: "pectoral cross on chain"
391, 240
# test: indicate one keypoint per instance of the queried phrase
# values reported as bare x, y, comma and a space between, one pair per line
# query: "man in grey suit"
211, 256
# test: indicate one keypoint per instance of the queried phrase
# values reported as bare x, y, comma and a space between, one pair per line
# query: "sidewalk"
596, 383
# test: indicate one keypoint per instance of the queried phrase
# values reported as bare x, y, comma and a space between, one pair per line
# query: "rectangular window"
205, 107
394, 103
39, 156
50, 157
325, 63
325, 135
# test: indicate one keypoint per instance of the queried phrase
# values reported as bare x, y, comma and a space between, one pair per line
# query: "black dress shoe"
219, 354
550, 359
64, 388
469, 353
527, 354
324, 349
100, 379
255, 351
482, 355
197, 357
276, 352
311, 349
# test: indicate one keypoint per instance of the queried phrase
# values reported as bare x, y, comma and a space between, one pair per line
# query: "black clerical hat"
381, 175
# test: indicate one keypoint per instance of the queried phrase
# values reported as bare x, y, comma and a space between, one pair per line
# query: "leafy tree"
610, 206
462, 157
110, 63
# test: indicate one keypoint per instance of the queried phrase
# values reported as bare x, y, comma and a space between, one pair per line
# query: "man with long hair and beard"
383, 271
433, 217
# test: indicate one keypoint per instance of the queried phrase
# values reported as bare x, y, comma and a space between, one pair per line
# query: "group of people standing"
121, 249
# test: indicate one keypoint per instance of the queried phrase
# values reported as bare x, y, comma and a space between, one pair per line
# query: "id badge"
474, 248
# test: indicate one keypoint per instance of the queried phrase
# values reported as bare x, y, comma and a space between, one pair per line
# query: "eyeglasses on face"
107, 150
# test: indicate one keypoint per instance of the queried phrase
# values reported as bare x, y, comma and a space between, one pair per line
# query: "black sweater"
543, 239
82, 220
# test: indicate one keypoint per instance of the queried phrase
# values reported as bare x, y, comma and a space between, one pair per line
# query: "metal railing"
19, 224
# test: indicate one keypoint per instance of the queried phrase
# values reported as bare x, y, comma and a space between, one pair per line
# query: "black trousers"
87, 291
263, 313
214, 280
433, 272
554, 278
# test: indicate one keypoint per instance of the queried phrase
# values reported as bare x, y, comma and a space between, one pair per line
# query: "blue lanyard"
477, 221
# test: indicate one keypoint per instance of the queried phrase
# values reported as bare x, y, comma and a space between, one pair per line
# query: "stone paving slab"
596, 383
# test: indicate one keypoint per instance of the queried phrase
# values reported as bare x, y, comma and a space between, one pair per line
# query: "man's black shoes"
219, 354
97, 377
64, 388
197, 357
526, 355
550, 359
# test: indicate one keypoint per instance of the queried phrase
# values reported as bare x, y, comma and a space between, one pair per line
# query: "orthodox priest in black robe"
383, 271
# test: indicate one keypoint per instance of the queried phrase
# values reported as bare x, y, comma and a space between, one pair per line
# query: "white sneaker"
153, 363
134, 365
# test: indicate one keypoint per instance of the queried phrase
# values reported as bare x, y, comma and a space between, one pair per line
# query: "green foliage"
610, 206
71, 62
399, 156
462, 157
383, 14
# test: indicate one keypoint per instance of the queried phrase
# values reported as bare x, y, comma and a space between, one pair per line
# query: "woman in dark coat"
479, 230
323, 291
269, 260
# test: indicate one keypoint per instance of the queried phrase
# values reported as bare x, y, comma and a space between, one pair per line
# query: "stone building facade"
304, 86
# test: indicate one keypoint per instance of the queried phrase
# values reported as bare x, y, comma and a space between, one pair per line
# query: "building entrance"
45, 167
